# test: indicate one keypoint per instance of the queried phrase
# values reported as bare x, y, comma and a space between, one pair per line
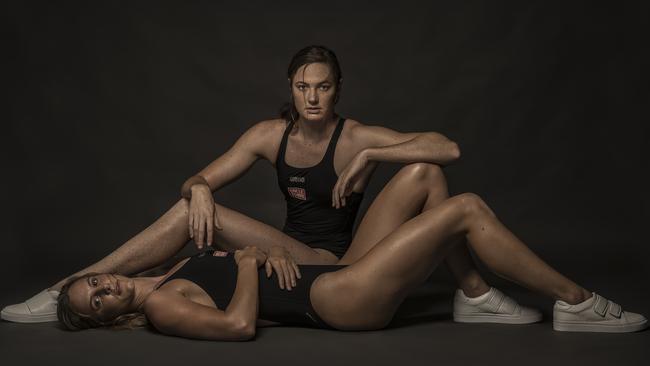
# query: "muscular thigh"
401, 199
240, 231
366, 294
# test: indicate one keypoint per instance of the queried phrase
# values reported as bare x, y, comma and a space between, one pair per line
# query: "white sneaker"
596, 314
492, 307
37, 309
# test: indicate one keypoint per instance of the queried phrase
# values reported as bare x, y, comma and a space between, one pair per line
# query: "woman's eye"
324, 87
301, 87
93, 281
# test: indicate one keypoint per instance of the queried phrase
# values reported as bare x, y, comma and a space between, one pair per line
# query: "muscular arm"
384, 144
172, 313
250, 147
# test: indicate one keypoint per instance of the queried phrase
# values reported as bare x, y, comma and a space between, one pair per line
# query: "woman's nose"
312, 97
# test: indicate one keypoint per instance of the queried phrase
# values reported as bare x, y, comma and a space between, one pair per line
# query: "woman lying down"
225, 296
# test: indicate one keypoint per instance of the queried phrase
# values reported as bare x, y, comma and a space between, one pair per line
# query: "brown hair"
309, 55
72, 320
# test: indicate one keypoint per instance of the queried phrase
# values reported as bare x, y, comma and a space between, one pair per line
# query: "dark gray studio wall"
113, 106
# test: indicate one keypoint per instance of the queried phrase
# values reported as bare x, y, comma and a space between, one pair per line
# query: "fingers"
201, 231
237, 255
209, 226
296, 269
216, 221
290, 276
196, 233
285, 275
338, 193
335, 195
261, 258
342, 189
191, 225
280, 273
269, 269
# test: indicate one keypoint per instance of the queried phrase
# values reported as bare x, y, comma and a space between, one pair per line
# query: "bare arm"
202, 215
384, 144
228, 167
376, 144
173, 313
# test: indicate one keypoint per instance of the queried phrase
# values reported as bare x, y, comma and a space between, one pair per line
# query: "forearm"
186, 189
243, 305
427, 148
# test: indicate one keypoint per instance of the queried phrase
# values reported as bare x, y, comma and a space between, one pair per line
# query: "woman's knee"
471, 204
423, 173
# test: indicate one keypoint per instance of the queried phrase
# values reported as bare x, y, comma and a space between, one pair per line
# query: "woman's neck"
144, 286
315, 131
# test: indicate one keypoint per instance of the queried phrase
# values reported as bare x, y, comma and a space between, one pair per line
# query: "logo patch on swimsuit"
297, 179
298, 193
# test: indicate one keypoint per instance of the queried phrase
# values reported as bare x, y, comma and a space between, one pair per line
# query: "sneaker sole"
565, 326
29, 318
496, 318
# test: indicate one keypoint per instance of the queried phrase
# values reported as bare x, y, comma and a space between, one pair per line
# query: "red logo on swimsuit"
298, 193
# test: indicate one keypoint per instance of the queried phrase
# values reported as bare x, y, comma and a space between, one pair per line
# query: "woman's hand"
347, 179
285, 267
250, 253
202, 215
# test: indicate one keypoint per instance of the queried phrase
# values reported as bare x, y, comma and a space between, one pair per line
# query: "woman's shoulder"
264, 137
269, 125
176, 289
352, 129
171, 288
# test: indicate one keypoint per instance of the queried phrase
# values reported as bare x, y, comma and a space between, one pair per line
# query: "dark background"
112, 105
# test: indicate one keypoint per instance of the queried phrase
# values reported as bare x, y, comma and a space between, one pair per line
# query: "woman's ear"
338, 90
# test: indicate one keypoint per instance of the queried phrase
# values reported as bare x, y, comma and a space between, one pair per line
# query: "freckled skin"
313, 85
111, 295
413, 239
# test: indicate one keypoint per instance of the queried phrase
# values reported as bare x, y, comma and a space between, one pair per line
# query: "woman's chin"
129, 289
313, 116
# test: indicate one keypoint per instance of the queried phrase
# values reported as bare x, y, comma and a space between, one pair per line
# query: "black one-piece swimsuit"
217, 276
311, 219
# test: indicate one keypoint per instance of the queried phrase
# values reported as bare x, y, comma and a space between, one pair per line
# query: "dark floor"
422, 334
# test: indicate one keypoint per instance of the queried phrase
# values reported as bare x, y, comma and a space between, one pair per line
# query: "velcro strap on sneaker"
600, 305
494, 301
615, 309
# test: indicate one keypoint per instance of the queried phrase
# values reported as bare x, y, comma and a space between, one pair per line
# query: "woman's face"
102, 296
313, 88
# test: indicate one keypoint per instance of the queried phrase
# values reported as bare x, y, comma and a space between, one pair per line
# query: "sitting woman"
225, 297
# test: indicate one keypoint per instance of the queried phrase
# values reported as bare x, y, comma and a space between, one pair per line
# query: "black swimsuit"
311, 218
218, 277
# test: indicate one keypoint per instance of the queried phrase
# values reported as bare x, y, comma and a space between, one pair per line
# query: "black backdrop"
113, 105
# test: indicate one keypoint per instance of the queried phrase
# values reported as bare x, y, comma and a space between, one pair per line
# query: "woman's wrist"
247, 261
199, 186
190, 183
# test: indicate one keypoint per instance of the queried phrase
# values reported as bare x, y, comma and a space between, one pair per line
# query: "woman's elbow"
243, 330
453, 152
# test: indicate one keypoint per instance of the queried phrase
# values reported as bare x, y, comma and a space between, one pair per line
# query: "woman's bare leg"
369, 291
414, 189
169, 234
152, 246
240, 230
